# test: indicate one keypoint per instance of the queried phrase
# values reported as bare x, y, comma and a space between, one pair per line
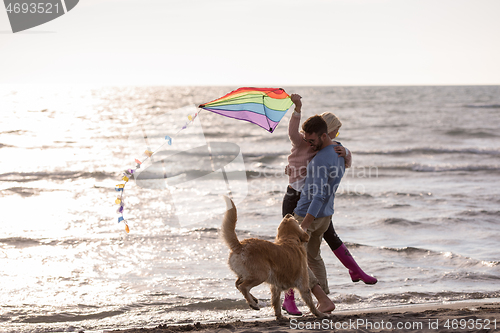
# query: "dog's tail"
229, 225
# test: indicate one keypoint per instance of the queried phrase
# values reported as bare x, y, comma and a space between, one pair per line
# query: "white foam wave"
417, 167
431, 151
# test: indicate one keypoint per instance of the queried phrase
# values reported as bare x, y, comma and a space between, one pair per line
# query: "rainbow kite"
262, 106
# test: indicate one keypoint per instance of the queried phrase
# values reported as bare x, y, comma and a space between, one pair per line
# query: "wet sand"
450, 317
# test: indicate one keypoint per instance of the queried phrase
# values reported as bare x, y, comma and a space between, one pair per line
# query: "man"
315, 207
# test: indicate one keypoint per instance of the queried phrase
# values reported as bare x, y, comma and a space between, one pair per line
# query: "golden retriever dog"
282, 264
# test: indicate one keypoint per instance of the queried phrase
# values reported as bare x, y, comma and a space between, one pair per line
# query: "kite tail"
229, 225
149, 155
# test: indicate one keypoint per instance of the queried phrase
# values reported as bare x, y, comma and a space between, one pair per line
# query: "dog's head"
289, 228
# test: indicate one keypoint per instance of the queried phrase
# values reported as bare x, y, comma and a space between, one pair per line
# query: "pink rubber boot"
289, 304
348, 261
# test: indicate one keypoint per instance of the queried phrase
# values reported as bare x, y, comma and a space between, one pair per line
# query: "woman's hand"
296, 100
340, 150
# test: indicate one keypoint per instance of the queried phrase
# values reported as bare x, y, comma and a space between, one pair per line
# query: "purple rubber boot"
289, 304
348, 261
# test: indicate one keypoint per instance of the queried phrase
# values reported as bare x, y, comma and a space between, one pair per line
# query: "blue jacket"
324, 173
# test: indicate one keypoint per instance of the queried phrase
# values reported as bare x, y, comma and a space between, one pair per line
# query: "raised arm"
293, 126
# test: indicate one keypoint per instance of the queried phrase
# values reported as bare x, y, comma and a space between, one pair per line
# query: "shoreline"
466, 316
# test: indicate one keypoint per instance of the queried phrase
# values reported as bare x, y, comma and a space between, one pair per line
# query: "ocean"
419, 209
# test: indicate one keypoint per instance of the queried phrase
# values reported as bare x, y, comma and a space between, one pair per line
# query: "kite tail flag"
261, 106
129, 173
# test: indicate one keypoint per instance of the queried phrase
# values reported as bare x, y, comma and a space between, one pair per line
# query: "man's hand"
340, 150
306, 222
296, 100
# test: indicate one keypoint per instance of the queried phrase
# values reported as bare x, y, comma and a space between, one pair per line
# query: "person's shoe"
289, 304
355, 271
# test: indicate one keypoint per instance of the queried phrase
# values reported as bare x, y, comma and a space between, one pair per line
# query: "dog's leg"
305, 293
244, 287
275, 301
254, 298
238, 283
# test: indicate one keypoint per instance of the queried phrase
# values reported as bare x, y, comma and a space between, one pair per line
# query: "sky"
259, 42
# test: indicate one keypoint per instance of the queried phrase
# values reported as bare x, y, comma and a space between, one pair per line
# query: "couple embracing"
316, 166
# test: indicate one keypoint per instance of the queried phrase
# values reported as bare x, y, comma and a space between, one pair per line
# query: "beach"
418, 209
438, 318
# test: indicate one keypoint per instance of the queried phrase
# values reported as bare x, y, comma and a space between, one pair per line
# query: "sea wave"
20, 242
399, 222
457, 260
2, 145
23, 242
56, 176
443, 168
409, 250
425, 297
395, 206
475, 213
22, 191
417, 167
263, 159
483, 106
430, 151
351, 194
471, 133
466, 275
69, 317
